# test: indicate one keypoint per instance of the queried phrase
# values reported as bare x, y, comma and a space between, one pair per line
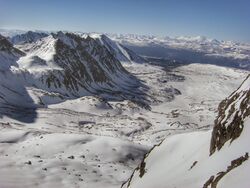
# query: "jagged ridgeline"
74, 65
83, 61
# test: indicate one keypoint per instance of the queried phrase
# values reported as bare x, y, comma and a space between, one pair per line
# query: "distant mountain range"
188, 49
182, 49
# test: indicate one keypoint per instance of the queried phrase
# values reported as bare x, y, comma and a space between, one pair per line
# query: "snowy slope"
191, 160
64, 160
91, 142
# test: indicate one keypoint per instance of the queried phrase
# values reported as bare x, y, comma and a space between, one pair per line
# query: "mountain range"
106, 110
68, 65
188, 49
183, 49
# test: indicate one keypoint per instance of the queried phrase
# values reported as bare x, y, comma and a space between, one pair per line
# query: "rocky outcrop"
7, 46
232, 113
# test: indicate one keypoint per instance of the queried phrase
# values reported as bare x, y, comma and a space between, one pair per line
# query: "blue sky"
221, 19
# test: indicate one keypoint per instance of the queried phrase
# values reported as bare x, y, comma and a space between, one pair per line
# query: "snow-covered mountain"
68, 65
189, 49
122, 53
197, 160
29, 37
81, 110
183, 49
88, 141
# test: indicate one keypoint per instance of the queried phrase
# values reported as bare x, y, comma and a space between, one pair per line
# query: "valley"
61, 128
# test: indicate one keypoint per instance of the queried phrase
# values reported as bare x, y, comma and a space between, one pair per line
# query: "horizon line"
100, 32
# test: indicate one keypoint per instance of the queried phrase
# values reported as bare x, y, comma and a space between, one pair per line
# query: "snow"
211, 47
237, 178
28, 37
197, 49
7, 61
95, 158
11, 32
85, 104
245, 85
199, 43
112, 134
188, 159
43, 48
115, 48
82, 140
177, 153
203, 88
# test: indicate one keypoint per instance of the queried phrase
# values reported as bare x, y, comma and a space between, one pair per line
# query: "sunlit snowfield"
95, 143
124, 94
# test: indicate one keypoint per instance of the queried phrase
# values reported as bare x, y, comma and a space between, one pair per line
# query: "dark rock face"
6, 46
83, 61
230, 121
8, 54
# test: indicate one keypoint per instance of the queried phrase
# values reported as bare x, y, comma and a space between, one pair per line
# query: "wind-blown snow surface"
184, 160
50, 139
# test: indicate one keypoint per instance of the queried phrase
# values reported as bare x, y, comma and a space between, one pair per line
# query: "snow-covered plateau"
82, 110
